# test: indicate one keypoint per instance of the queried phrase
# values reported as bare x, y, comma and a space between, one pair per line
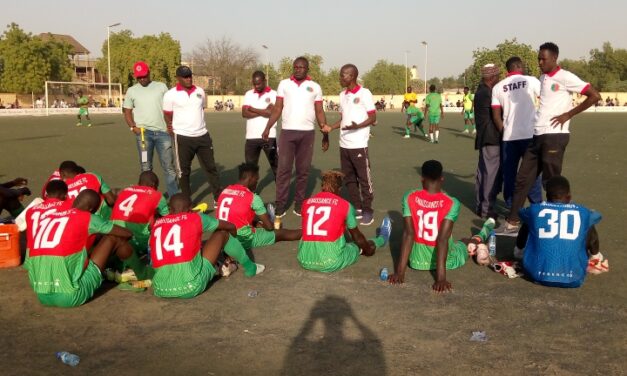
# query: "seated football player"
183, 266
10, 194
239, 205
77, 180
135, 209
60, 270
325, 218
558, 240
427, 244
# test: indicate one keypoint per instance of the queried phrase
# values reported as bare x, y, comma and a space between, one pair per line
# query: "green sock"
473, 127
488, 226
234, 249
142, 271
378, 241
465, 127
406, 131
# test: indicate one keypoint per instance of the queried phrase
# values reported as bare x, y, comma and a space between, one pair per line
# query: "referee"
184, 106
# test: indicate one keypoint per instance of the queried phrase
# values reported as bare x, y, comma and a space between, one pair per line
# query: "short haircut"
80, 170
149, 179
68, 166
56, 188
332, 181
259, 74
550, 46
351, 66
303, 59
512, 63
557, 187
466, 88
247, 169
432, 87
431, 170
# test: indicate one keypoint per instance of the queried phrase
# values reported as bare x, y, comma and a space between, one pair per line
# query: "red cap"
140, 69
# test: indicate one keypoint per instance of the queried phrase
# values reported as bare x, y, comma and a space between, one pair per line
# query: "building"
84, 66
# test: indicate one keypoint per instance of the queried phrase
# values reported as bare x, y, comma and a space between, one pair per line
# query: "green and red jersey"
135, 209
239, 205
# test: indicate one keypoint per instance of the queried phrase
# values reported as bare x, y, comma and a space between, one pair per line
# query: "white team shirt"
260, 101
298, 103
555, 99
516, 95
355, 105
187, 108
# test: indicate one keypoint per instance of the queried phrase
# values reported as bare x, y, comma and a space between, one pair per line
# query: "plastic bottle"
68, 358
383, 274
492, 245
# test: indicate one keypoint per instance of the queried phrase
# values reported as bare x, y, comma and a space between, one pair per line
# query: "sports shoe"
215, 204
483, 255
359, 213
385, 230
270, 209
437, 142
260, 269
507, 229
597, 264
279, 213
201, 208
296, 210
406, 136
474, 131
510, 269
88, 125
466, 130
519, 253
367, 219
79, 124
228, 267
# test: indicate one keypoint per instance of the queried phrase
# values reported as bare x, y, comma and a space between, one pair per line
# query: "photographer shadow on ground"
334, 341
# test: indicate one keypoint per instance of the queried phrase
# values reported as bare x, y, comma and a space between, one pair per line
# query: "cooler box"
9, 246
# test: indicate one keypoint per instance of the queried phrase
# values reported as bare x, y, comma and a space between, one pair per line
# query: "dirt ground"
348, 323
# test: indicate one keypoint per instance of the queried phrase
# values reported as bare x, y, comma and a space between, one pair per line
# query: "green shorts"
416, 122
87, 285
139, 244
328, 260
83, 111
192, 288
260, 238
434, 119
469, 115
424, 260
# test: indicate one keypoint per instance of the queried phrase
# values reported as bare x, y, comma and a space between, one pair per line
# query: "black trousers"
185, 148
253, 148
544, 155
356, 169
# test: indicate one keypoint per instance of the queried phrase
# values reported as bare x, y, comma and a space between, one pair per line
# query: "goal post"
63, 94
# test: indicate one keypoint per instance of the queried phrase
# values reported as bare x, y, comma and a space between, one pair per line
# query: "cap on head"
489, 71
183, 71
140, 69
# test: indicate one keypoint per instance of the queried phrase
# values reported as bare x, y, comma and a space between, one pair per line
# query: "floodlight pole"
267, 62
406, 52
109, 58
426, 60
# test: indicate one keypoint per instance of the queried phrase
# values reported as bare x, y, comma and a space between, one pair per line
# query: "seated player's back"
135, 208
56, 241
235, 205
175, 244
324, 218
555, 253
427, 211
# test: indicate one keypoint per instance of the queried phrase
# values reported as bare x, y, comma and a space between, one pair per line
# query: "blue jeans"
161, 141
513, 152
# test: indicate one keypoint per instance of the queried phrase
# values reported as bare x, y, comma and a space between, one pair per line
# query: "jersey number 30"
560, 227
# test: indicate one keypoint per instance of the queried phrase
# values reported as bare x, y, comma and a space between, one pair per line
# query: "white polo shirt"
260, 101
555, 99
187, 109
516, 95
355, 105
298, 103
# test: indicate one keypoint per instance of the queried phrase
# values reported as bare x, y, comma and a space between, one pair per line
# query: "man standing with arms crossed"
257, 108
184, 109
299, 104
143, 113
551, 133
513, 112
357, 115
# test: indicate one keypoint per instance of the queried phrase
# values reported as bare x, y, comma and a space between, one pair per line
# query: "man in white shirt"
513, 112
299, 105
257, 108
357, 114
183, 107
550, 135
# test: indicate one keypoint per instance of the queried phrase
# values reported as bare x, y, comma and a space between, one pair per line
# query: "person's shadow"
330, 352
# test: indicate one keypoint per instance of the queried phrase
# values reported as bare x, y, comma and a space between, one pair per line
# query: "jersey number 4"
560, 227
126, 206
171, 243
313, 228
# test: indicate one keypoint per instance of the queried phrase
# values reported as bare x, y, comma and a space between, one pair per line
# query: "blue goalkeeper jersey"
555, 253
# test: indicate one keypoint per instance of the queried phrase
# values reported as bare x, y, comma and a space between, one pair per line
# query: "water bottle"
383, 274
492, 245
68, 358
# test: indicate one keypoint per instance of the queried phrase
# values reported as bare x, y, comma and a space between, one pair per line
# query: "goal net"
59, 95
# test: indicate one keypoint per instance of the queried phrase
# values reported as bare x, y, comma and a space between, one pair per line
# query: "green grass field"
347, 323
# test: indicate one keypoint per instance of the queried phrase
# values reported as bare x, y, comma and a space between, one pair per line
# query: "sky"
351, 31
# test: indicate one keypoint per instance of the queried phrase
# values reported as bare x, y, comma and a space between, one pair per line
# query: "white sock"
437, 135
431, 136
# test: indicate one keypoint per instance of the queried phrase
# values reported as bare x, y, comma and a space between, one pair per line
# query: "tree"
228, 62
161, 52
499, 56
605, 69
386, 78
26, 61
329, 81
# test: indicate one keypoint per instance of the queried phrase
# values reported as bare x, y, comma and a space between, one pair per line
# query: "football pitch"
347, 323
